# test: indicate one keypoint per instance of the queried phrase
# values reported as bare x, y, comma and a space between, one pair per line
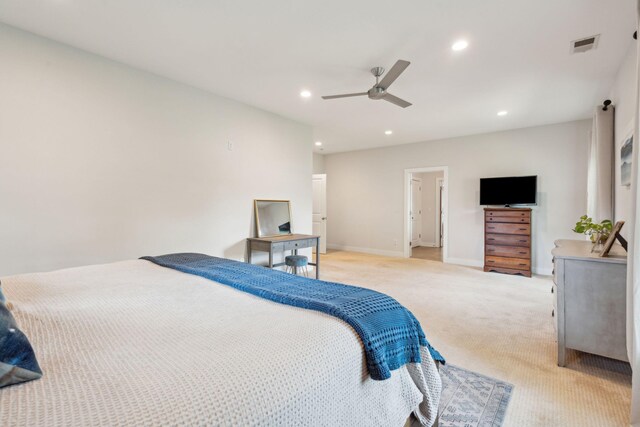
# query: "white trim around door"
438, 225
415, 211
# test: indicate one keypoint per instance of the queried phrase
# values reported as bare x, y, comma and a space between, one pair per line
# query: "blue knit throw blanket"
391, 335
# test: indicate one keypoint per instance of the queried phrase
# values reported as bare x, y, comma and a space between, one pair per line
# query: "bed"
133, 344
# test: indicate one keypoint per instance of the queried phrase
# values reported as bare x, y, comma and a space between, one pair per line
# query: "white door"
415, 212
320, 209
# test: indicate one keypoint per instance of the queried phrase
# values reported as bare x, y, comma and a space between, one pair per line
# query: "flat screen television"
514, 190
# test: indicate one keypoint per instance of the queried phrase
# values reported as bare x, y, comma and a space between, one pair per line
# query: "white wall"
102, 162
623, 97
429, 206
318, 163
365, 192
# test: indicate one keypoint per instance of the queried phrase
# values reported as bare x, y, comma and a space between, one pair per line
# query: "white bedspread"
135, 344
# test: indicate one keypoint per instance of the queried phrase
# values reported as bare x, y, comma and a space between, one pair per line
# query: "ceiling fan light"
305, 94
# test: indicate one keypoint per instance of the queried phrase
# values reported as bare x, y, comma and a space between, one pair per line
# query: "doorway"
425, 213
319, 211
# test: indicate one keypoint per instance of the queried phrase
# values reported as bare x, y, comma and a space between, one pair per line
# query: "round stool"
293, 262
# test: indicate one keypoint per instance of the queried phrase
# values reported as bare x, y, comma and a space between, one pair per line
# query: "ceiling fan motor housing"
376, 93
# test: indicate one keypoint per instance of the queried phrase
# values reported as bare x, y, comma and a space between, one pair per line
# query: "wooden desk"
289, 242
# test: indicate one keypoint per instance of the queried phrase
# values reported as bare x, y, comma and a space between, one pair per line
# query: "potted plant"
597, 232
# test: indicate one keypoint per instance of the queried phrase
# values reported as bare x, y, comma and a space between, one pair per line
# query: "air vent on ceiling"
585, 45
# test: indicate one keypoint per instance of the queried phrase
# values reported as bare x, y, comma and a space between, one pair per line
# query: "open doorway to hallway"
425, 213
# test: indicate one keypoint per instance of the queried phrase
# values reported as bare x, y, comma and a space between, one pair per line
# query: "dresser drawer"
507, 239
509, 219
513, 263
521, 229
508, 251
297, 244
508, 213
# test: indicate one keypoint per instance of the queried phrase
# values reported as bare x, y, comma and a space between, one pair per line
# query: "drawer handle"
553, 313
552, 289
522, 241
491, 228
522, 229
523, 265
522, 253
491, 238
491, 250
490, 260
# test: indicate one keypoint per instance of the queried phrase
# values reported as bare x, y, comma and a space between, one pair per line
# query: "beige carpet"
500, 326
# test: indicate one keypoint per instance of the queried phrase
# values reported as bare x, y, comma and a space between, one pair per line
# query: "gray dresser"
589, 299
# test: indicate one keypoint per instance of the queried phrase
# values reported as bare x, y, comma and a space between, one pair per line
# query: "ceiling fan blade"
395, 100
346, 95
393, 73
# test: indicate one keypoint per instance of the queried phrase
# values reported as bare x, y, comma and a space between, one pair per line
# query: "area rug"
472, 400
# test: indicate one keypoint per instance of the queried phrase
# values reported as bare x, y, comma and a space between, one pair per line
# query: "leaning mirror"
273, 217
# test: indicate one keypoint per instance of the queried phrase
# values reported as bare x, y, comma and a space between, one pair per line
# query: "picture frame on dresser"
615, 234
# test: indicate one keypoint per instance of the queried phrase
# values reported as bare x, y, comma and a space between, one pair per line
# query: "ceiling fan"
379, 90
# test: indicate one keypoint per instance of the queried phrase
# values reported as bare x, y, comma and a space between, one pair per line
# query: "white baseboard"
364, 250
428, 244
464, 261
543, 271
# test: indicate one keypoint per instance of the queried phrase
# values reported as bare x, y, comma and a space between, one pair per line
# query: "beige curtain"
600, 178
633, 269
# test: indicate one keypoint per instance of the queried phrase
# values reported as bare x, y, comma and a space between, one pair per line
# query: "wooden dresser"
507, 240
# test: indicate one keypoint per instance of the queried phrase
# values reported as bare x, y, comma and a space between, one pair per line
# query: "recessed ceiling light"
318, 143
388, 132
305, 94
460, 45
503, 113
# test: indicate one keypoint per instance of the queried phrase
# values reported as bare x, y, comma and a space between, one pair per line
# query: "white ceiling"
264, 53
